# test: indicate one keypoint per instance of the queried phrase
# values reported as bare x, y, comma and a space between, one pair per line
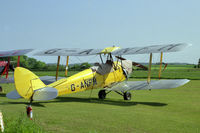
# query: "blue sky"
42, 24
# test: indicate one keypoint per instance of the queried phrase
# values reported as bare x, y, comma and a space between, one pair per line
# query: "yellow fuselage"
88, 79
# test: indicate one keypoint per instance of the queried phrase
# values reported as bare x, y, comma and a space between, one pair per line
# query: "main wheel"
127, 96
102, 94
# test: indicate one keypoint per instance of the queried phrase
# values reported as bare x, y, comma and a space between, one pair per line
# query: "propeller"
164, 66
134, 63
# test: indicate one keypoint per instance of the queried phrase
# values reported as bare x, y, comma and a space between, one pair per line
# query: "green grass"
156, 111
192, 74
21, 124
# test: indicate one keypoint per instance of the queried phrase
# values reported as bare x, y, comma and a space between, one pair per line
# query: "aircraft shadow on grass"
106, 101
2, 95
91, 100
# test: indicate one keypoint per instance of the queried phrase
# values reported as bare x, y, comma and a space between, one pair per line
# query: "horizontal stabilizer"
49, 79
154, 84
46, 93
13, 95
8, 80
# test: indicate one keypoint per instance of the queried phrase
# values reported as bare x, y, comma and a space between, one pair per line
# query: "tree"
40, 65
85, 66
25, 61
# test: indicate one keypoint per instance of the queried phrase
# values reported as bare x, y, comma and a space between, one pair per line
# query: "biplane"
5, 66
111, 75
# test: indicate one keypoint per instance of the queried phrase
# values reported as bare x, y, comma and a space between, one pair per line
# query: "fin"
13, 95
46, 93
26, 82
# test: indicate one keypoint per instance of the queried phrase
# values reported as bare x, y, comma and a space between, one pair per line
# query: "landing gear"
127, 96
102, 94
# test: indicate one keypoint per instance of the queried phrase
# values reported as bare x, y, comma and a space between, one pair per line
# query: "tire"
127, 96
102, 94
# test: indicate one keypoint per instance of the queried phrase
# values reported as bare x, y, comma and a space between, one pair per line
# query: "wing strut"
67, 64
149, 73
8, 67
58, 62
161, 57
101, 58
18, 61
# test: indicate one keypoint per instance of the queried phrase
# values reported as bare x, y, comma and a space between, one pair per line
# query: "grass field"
157, 111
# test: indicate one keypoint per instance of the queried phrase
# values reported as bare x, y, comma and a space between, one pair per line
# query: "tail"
29, 86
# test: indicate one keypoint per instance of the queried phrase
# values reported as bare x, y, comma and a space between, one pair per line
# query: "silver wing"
143, 85
151, 49
14, 52
68, 52
123, 51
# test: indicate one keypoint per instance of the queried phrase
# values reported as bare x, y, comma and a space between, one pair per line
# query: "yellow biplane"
110, 75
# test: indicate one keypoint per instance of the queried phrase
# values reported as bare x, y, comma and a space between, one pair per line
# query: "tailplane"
29, 86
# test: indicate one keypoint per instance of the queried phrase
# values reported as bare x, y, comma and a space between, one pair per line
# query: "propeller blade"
139, 65
164, 67
121, 58
134, 63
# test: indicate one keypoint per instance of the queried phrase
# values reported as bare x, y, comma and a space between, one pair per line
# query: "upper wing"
151, 49
68, 52
143, 85
14, 52
113, 50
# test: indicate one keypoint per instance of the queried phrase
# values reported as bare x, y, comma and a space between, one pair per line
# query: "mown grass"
156, 111
174, 110
192, 74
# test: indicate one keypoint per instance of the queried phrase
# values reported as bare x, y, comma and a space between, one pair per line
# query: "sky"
45, 24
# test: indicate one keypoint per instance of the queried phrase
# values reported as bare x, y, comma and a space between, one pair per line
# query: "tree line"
33, 64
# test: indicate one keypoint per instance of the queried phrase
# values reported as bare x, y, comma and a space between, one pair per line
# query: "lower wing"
143, 85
